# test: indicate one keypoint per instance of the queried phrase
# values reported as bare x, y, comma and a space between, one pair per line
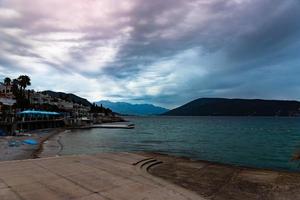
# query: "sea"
260, 142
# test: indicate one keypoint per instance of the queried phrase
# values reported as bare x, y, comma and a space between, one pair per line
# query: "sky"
162, 52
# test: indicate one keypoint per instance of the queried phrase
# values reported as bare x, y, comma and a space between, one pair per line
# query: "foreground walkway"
107, 176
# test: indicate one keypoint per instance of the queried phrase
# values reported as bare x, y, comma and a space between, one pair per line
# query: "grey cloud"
237, 41
274, 25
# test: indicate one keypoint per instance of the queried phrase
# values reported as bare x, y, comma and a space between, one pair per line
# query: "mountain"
68, 97
237, 107
133, 109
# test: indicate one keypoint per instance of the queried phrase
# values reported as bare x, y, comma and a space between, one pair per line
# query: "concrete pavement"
106, 176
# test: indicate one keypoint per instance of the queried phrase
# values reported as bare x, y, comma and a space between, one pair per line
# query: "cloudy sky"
165, 52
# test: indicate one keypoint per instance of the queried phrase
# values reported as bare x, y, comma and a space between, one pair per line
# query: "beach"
21, 151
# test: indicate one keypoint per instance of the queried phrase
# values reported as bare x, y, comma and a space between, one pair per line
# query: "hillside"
68, 97
133, 109
236, 107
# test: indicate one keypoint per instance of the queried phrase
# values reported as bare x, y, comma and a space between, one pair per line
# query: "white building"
6, 95
39, 98
66, 105
6, 89
7, 101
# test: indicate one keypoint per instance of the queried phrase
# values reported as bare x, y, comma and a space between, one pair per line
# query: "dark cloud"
157, 50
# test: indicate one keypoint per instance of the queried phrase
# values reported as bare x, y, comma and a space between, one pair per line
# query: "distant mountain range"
68, 97
236, 107
133, 109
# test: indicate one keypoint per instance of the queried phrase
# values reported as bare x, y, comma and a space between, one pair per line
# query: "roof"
37, 112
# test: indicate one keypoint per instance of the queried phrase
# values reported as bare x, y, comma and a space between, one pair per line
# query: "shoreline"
36, 153
49, 145
208, 180
242, 167
211, 180
222, 181
54, 146
23, 151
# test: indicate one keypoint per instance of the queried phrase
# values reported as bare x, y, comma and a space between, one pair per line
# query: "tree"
7, 81
15, 87
18, 89
24, 81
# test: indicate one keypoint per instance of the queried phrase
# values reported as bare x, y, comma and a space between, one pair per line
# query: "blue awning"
37, 112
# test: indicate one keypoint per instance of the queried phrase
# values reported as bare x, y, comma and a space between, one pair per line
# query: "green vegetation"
18, 89
100, 109
7, 81
68, 97
237, 107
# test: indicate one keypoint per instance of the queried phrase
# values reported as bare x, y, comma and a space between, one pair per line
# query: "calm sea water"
263, 142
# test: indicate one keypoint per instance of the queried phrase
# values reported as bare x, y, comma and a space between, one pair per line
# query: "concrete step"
146, 164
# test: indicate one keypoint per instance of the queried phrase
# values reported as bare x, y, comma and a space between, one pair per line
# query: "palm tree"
7, 82
24, 81
15, 87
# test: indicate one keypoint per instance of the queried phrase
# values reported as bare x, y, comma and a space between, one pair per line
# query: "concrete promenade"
105, 176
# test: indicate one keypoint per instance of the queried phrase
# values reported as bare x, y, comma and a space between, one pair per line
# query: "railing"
40, 120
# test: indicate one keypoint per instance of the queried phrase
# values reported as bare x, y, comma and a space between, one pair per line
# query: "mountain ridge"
68, 97
237, 107
132, 109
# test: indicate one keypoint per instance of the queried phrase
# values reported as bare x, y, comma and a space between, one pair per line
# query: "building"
80, 110
6, 89
6, 95
40, 98
65, 105
4, 100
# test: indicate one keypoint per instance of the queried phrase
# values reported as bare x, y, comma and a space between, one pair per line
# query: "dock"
105, 176
116, 126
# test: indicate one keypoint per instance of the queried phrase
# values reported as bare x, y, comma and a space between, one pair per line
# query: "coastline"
49, 145
25, 151
222, 181
53, 146
36, 153
210, 180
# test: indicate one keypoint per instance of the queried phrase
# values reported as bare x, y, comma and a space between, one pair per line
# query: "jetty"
117, 126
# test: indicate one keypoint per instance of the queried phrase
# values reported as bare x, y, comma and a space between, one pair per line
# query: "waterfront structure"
71, 113
35, 119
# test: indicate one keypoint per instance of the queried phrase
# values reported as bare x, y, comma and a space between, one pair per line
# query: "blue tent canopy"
37, 112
